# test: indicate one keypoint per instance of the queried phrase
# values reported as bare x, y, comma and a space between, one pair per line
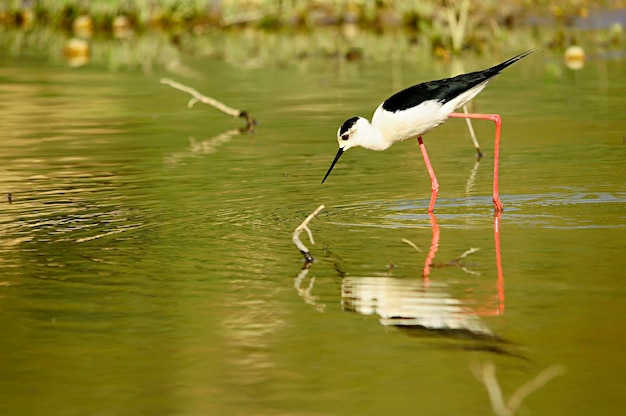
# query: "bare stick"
204, 147
198, 97
470, 127
305, 227
486, 374
306, 292
412, 244
466, 253
458, 30
515, 401
458, 261
469, 185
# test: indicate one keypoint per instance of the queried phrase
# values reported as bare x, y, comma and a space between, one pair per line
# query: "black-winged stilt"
417, 110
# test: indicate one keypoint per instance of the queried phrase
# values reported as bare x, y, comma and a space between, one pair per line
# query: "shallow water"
147, 265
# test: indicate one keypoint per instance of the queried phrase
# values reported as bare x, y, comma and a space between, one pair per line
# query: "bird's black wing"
446, 89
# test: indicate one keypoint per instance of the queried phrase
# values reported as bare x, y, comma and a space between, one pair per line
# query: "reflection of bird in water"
421, 309
418, 109
411, 303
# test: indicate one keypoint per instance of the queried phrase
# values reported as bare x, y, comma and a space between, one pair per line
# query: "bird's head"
348, 133
347, 137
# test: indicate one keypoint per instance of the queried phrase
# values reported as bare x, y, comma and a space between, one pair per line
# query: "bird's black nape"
444, 90
332, 165
347, 125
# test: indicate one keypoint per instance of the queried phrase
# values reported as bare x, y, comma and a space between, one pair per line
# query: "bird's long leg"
432, 251
496, 235
497, 204
431, 173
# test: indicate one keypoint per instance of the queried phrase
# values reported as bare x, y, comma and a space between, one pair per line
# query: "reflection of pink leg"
431, 173
497, 204
434, 245
496, 307
496, 236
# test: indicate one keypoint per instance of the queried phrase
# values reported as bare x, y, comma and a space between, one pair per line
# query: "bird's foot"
497, 205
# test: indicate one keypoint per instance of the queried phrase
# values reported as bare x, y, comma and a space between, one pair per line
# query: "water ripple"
524, 209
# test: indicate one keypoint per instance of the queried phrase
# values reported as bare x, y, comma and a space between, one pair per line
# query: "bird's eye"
344, 137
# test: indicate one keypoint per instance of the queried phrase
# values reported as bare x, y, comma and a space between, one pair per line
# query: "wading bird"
417, 110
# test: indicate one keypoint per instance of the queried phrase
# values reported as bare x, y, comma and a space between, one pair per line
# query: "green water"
146, 262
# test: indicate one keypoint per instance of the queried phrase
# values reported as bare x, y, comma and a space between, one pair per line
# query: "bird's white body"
389, 127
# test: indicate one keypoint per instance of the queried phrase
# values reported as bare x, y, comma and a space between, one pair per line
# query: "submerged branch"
456, 262
412, 244
516, 399
204, 147
486, 374
198, 97
305, 293
465, 254
305, 227
470, 127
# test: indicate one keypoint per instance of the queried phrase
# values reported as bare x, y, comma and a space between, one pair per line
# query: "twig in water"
305, 293
465, 254
204, 147
458, 262
305, 227
412, 244
457, 68
469, 185
486, 374
470, 127
198, 97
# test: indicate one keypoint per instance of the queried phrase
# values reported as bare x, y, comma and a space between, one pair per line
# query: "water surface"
147, 266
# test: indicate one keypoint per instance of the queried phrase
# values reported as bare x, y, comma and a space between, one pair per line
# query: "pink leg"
495, 308
497, 204
431, 173
496, 235
432, 251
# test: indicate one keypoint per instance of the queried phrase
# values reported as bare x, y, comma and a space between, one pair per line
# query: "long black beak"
332, 165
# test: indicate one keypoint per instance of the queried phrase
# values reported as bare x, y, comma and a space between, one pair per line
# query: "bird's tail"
498, 68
